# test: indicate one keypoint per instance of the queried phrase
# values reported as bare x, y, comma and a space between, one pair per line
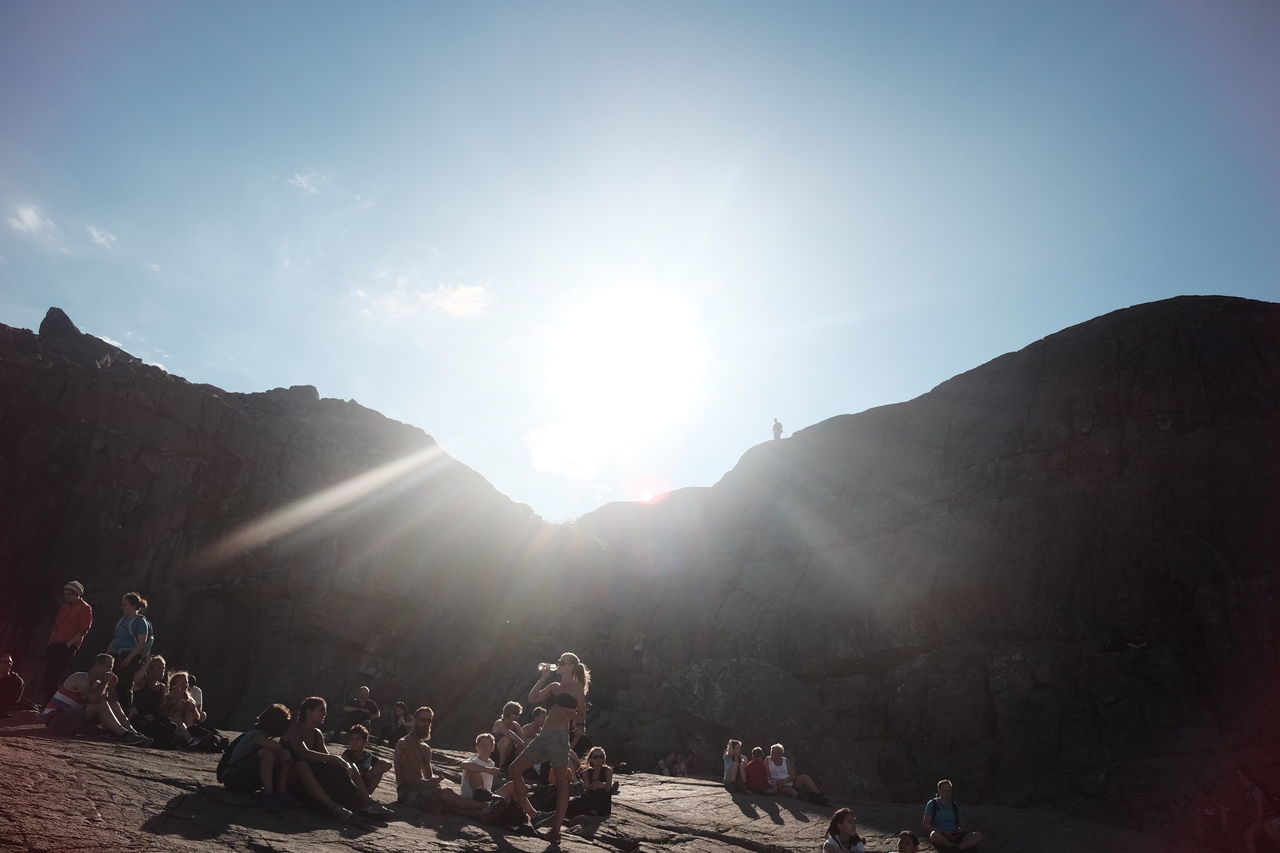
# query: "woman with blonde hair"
597, 787
735, 766
567, 704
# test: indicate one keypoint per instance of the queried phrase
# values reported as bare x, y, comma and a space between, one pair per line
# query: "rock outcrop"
1052, 578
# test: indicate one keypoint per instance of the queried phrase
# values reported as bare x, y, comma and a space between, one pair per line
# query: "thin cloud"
403, 299
111, 341
105, 239
30, 220
308, 182
153, 267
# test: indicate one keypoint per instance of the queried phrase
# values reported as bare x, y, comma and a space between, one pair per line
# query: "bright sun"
623, 367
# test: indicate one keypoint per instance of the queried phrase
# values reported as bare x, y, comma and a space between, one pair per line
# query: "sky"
595, 248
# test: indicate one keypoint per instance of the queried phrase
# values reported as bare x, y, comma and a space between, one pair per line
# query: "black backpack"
225, 760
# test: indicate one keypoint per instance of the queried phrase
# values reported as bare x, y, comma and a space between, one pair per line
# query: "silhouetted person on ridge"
777, 429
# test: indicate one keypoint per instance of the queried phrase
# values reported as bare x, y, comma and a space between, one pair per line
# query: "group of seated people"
774, 776
941, 820
284, 758
166, 709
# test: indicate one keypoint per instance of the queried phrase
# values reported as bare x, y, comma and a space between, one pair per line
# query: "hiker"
419, 787
477, 773
88, 698
70, 627
568, 704
777, 429
180, 708
735, 773
842, 834
531, 729
327, 779
756, 773
784, 780
597, 787
131, 641
908, 841
942, 821
1265, 825
371, 767
257, 762
507, 734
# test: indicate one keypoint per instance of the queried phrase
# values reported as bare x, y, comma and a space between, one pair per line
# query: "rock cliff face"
951, 586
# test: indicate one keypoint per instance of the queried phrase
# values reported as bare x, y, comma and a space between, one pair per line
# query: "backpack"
225, 760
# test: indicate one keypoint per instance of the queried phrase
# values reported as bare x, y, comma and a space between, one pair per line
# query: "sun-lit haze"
595, 248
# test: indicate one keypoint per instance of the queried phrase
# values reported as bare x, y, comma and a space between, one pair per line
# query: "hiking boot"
376, 810
494, 809
134, 739
343, 814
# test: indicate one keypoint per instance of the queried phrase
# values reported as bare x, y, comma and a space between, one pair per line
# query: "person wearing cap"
72, 624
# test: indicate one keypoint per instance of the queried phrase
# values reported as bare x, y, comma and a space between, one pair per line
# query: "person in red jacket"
75, 618
757, 773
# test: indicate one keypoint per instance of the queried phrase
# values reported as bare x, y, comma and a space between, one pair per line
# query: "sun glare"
623, 367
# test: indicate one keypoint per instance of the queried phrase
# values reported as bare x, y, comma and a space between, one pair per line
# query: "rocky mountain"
1052, 578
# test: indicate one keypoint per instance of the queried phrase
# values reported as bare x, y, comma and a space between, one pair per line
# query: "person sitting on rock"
756, 773
842, 834
943, 823
328, 780
399, 725
257, 762
180, 708
419, 787
531, 729
784, 780
597, 787
735, 774
667, 765
908, 841
370, 766
479, 772
89, 698
360, 710
508, 734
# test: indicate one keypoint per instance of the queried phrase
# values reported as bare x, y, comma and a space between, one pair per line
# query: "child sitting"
370, 766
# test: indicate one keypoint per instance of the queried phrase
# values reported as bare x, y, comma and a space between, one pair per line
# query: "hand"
112, 679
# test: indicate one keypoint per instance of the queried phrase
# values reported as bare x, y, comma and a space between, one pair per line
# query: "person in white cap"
72, 624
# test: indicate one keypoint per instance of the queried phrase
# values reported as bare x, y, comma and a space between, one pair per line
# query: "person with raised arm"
567, 700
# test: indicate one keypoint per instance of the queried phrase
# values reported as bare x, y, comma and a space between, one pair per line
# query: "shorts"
551, 745
419, 794
68, 722
245, 776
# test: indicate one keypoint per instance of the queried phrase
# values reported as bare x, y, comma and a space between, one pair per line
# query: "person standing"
70, 627
131, 642
777, 429
10, 687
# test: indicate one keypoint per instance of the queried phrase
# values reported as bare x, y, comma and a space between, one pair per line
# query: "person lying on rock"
88, 698
783, 779
325, 779
756, 773
371, 767
942, 821
508, 734
735, 764
417, 784
842, 834
480, 771
257, 761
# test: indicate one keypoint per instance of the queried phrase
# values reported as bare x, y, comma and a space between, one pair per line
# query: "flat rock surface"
87, 795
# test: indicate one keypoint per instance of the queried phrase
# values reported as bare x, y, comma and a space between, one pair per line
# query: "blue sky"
595, 248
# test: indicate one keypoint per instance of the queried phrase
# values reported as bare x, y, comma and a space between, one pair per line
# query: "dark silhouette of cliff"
1052, 578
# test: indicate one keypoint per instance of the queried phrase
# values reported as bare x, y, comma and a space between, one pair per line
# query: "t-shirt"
364, 712
757, 774
486, 778
65, 698
197, 695
74, 617
127, 632
363, 762
245, 746
946, 816
833, 845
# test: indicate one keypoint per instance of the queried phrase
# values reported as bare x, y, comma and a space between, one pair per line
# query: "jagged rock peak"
56, 324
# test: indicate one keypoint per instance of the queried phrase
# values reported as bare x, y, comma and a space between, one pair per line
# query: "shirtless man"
86, 698
508, 734
418, 786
